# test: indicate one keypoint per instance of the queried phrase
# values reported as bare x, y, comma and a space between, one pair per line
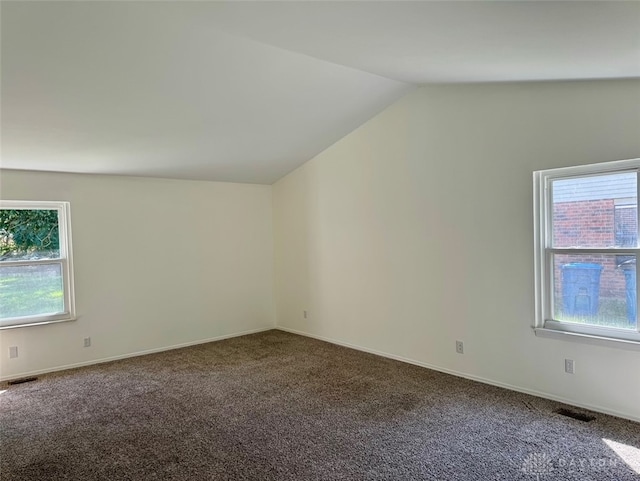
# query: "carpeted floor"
275, 406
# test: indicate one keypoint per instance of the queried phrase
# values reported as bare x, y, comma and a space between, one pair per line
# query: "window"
586, 223
36, 283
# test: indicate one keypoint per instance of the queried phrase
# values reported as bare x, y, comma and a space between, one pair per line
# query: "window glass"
588, 211
29, 234
31, 290
593, 289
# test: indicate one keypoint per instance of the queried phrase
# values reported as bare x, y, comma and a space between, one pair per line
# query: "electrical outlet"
87, 342
304, 314
459, 347
569, 366
13, 352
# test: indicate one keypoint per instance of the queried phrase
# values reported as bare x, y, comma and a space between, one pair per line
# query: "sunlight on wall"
629, 454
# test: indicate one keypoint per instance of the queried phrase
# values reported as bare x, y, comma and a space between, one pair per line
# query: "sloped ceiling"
248, 91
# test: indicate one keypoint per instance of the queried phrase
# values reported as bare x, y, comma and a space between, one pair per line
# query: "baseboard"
133, 354
532, 392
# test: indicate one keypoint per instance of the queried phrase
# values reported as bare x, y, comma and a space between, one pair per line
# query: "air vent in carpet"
22, 381
575, 415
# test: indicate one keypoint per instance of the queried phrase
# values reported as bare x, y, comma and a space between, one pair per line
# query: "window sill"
587, 339
37, 323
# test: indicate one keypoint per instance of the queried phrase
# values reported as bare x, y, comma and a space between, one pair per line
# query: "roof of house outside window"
596, 187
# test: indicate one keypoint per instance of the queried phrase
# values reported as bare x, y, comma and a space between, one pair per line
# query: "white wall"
416, 230
157, 263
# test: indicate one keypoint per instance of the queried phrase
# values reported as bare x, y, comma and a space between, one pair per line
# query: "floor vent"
575, 415
22, 381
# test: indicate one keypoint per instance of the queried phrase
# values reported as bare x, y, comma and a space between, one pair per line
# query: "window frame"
545, 325
65, 261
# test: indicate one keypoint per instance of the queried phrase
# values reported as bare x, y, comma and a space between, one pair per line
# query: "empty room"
318, 240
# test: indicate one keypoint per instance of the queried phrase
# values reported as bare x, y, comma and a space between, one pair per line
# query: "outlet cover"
460, 347
87, 342
13, 352
569, 366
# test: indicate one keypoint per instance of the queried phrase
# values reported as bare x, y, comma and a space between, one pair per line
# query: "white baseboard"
133, 354
542, 394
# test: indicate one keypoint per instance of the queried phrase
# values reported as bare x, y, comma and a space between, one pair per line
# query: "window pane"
29, 234
31, 290
595, 289
595, 211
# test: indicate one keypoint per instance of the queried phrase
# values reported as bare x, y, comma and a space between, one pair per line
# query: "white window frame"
545, 325
65, 262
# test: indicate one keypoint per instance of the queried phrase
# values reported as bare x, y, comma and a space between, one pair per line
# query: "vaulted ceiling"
248, 91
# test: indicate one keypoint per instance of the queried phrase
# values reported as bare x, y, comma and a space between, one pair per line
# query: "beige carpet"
275, 406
